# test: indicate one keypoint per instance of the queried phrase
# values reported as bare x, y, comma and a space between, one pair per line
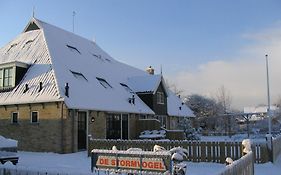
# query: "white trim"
31, 117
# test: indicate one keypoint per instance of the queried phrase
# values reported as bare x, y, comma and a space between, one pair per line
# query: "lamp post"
268, 96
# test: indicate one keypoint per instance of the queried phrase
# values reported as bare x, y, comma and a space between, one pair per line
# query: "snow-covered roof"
56, 57
176, 107
145, 84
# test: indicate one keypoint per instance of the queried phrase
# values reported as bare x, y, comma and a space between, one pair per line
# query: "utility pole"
268, 97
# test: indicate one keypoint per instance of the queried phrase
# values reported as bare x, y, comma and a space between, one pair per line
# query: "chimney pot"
150, 70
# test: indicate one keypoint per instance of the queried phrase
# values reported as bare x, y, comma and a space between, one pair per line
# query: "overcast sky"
201, 45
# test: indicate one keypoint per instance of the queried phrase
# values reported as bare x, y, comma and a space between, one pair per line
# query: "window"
162, 119
34, 117
97, 56
104, 83
12, 46
6, 77
117, 126
73, 49
79, 75
160, 98
15, 116
126, 87
27, 44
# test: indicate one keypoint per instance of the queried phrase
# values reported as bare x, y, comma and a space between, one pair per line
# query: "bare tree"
224, 100
174, 88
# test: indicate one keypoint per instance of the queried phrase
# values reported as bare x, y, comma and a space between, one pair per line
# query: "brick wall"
97, 128
44, 136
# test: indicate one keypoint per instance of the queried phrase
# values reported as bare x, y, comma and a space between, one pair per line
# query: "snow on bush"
178, 153
247, 146
228, 161
158, 148
6, 143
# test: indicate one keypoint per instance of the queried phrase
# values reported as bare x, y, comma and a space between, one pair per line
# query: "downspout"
62, 126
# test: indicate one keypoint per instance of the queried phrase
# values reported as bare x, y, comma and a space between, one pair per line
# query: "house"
57, 88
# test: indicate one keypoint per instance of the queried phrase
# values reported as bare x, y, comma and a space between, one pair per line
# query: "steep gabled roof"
55, 57
40, 70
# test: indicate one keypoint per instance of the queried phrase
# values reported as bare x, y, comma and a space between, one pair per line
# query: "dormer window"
78, 75
126, 87
8, 77
104, 83
11, 74
73, 49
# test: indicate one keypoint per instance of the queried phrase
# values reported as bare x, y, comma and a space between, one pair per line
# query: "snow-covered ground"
79, 164
236, 138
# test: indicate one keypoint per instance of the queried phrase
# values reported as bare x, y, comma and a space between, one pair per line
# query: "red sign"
156, 164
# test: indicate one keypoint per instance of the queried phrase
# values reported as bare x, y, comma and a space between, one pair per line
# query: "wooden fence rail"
198, 151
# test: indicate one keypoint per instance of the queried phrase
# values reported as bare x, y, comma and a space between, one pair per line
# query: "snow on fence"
198, 151
244, 166
276, 147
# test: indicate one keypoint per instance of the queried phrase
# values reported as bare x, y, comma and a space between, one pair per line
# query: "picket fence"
198, 151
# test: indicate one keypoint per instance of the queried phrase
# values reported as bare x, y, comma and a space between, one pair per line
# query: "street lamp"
268, 97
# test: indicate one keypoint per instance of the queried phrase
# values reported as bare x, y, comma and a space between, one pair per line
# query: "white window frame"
160, 98
37, 117
12, 117
10, 77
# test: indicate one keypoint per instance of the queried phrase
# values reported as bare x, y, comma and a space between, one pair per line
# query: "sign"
131, 163
127, 161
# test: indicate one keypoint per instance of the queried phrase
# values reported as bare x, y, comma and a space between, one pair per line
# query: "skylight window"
27, 44
126, 87
108, 60
78, 75
104, 83
12, 46
97, 56
73, 49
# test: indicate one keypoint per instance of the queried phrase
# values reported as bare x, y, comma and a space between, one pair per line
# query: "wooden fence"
276, 147
198, 151
243, 166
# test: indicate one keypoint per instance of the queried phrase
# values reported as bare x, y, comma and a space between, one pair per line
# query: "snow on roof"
176, 107
18, 51
145, 84
96, 80
259, 109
